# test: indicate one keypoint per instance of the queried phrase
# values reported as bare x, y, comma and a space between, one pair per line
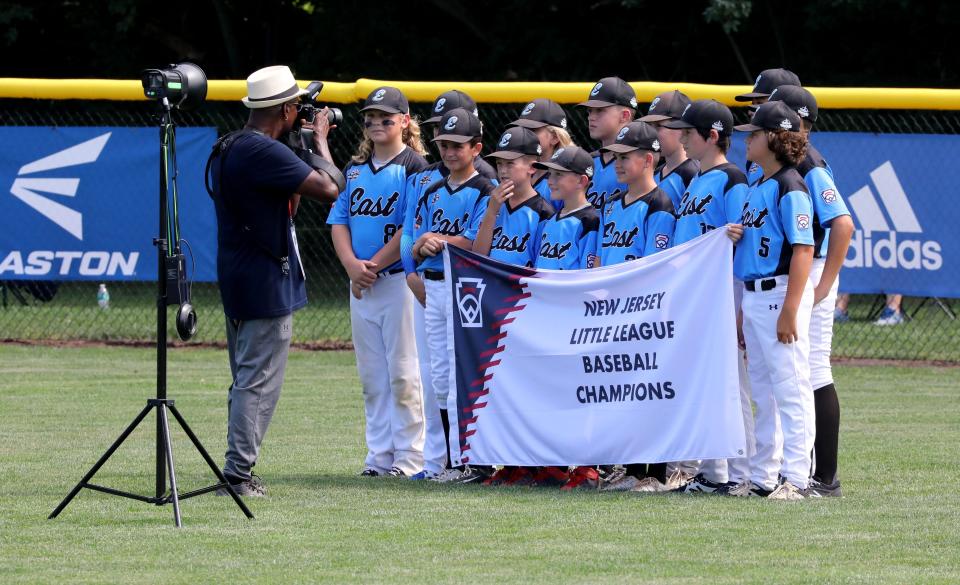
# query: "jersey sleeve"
340, 211
734, 199
407, 237
796, 216
588, 249
476, 216
827, 202
658, 232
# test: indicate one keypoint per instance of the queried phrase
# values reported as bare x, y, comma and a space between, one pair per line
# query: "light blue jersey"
828, 204
777, 214
714, 198
372, 204
633, 230
569, 242
603, 185
451, 212
754, 173
516, 229
675, 182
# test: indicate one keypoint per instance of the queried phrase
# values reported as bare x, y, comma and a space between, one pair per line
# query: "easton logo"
469, 299
28, 189
875, 243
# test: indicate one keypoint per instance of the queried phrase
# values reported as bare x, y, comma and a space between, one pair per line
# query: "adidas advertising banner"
82, 203
630, 363
900, 189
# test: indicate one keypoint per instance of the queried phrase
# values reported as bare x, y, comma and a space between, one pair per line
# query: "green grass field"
61, 407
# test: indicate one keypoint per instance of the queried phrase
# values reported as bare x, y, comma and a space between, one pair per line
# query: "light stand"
170, 291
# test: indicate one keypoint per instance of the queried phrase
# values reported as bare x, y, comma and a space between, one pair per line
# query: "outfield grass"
61, 407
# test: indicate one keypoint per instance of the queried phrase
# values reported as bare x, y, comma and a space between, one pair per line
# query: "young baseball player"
636, 223
366, 220
513, 216
832, 230
568, 241
450, 211
773, 260
676, 170
548, 120
435, 445
611, 105
713, 199
767, 81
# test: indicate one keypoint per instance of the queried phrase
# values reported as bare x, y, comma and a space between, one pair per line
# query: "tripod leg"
103, 459
168, 447
210, 462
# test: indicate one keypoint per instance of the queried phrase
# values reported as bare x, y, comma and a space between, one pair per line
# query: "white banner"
632, 363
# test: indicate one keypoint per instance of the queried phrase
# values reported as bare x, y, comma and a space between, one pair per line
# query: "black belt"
433, 274
390, 272
765, 284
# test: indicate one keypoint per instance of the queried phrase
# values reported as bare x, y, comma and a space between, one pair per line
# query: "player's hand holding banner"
635, 362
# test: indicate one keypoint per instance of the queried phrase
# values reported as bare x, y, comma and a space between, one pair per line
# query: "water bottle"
103, 297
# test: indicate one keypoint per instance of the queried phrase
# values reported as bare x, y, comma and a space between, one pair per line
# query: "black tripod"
170, 291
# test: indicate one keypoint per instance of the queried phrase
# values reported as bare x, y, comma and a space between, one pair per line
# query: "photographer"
257, 183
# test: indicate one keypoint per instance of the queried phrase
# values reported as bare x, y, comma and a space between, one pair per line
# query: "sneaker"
649, 485
840, 316
825, 490
473, 474
678, 478
369, 472
889, 317
423, 475
396, 472
624, 484
252, 487
611, 473
699, 485
448, 475
582, 478
551, 477
786, 491
746, 489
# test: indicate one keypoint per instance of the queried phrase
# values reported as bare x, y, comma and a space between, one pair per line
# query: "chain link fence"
68, 311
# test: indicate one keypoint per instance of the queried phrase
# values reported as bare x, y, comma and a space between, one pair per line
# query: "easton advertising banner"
900, 189
82, 203
630, 363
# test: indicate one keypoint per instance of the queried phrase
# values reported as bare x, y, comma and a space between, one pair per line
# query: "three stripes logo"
879, 243
29, 189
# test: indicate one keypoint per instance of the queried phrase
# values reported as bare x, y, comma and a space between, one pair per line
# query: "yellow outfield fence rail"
878, 98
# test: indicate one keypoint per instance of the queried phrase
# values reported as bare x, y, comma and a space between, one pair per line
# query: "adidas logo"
28, 189
874, 243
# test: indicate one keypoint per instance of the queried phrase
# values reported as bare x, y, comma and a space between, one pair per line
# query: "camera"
308, 107
183, 85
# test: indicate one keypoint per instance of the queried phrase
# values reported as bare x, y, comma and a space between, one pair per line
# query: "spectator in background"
891, 314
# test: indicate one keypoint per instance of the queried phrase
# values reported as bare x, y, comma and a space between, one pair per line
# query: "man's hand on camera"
362, 273
321, 127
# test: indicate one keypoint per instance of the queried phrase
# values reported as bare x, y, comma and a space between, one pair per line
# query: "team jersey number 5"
764, 250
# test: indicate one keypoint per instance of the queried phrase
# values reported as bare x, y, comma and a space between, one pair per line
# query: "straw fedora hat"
271, 86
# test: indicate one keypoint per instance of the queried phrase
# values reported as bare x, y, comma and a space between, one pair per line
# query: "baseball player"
767, 81
450, 212
549, 122
773, 260
676, 169
514, 213
435, 446
714, 198
366, 220
611, 105
568, 241
832, 230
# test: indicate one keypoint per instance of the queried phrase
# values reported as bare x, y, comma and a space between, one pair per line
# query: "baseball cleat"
448, 475
369, 472
582, 478
396, 472
825, 490
699, 485
472, 475
624, 484
786, 491
611, 473
649, 485
423, 475
252, 487
678, 478
746, 489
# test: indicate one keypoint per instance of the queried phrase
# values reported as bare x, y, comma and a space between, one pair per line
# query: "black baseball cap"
636, 135
459, 125
666, 106
541, 112
799, 99
516, 142
767, 81
772, 116
451, 100
611, 91
387, 99
572, 159
705, 114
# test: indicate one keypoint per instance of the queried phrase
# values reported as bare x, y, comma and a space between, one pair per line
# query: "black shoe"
699, 485
369, 472
825, 490
245, 487
396, 472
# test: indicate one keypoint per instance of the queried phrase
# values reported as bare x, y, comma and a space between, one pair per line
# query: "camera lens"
335, 116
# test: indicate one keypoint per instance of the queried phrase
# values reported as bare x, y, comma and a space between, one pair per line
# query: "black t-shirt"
254, 228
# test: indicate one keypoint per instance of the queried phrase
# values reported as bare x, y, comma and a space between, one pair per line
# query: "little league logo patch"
591, 260
803, 221
656, 145
661, 241
804, 111
786, 124
829, 196
424, 180
469, 299
633, 102
563, 123
718, 126
353, 174
436, 198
